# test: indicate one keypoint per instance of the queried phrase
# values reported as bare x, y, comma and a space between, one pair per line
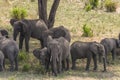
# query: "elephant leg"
59, 66
113, 54
27, 38
16, 64
95, 62
100, 58
4, 63
63, 65
12, 65
73, 63
67, 61
88, 63
21, 38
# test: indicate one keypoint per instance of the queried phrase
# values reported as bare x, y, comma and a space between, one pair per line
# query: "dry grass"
72, 16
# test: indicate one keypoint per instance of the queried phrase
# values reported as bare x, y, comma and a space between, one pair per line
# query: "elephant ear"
36, 53
12, 21
94, 47
119, 36
118, 42
24, 27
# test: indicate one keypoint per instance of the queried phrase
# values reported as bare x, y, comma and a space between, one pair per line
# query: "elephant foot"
104, 71
73, 68
11, 69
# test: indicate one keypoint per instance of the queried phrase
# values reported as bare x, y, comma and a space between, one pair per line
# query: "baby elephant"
1, 60
10, 50
87, 50
42, 55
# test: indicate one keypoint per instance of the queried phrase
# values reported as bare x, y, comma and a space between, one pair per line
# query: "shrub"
91, 4
26, 67
18, 13
22, 56
88, 7
87, 32
40, 69
110, 6
94, 3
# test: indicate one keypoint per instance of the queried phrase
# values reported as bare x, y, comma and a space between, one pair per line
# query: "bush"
22, 56
91, 4
40, 69
87, 32
94, 3
110, 6
26, 67
18, 13
88, 7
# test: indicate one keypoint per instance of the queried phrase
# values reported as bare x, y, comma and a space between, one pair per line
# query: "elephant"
27, 29
55, 51
4, 33
44, 55
110, 45
10, 50
56, 32
12, 21
87, 50
1, 60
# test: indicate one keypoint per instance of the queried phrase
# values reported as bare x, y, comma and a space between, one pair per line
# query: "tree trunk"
52, 14
42, 8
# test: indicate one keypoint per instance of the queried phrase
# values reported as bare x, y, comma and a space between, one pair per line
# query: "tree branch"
52, 14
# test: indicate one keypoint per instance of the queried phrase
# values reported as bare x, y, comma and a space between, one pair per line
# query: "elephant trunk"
15, 34
54, 65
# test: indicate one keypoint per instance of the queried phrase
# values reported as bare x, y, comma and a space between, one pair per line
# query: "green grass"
73, 16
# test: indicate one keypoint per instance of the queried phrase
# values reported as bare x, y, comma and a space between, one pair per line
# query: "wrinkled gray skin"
65, 50
87, 50
55, 51
10, 50
57, 32
1, 61
42, 55
27, 29
110, 45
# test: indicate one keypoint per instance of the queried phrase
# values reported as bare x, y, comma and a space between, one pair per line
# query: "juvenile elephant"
87, 50
1, 60
110, 45
57, 32
27, 29
55, 51
10, 50
4, 33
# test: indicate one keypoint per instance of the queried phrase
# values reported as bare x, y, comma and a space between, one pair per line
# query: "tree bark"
52, 14
42, 8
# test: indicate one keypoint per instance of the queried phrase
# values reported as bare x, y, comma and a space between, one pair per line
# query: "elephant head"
55, 51
21, 27
98, 49
12, 21
41, 54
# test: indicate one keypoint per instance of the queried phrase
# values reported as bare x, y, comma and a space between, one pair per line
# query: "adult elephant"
87, 50
27, 29
10, 50
56, 32
110, 45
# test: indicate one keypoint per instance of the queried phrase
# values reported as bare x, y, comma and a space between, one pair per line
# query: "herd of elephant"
55, 47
